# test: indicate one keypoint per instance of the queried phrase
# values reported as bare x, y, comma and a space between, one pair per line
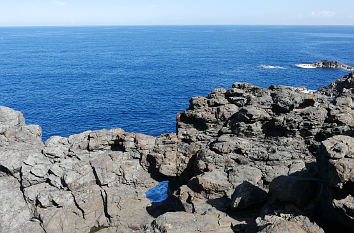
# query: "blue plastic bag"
159, 193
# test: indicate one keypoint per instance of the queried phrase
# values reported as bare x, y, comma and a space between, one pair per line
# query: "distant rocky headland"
247, 159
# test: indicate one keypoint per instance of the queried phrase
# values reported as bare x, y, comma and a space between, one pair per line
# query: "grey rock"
17, 140
247, 195
342, 86
56, 147
346, 205
174, 222
10, 117
337, 160
15, 214
332, 65
287, 223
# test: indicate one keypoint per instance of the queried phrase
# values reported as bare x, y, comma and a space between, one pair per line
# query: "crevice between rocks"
6, 171
105, 205
78, 206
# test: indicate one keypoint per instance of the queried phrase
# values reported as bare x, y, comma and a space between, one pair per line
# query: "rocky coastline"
247, 159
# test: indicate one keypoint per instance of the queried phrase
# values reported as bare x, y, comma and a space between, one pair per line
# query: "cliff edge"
247, 159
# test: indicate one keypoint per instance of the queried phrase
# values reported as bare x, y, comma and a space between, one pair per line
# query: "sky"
175, 12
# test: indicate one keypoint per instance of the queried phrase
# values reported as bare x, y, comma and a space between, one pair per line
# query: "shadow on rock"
171, 204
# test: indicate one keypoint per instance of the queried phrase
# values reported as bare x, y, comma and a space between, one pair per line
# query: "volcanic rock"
332, 65
230, 149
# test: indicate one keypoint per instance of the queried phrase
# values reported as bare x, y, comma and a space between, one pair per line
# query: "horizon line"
182, 25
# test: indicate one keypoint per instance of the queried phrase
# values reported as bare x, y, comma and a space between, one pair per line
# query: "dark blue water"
71, 79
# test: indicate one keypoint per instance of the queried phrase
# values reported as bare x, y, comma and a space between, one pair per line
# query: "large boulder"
286, 223
175, 222
18, 141
336, 162
91, 180
247, 195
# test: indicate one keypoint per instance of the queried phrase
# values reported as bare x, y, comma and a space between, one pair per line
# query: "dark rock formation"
248, 159
336, 160
332, 65
343, 86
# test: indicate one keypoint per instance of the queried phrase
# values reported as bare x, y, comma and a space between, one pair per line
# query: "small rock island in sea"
247, 159
327, 65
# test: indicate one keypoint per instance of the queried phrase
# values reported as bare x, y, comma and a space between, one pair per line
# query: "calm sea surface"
72, 79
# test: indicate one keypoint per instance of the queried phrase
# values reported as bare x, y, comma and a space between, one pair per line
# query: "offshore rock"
332, 65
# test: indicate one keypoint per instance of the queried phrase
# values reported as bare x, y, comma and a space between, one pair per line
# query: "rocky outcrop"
336, 162
332, 65
340, 87
247, 159
17, 142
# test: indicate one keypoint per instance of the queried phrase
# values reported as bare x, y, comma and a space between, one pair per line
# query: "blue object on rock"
159, 193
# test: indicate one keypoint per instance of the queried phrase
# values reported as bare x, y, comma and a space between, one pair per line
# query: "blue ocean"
72, 79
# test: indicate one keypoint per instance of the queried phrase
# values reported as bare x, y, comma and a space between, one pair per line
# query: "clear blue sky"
175, 12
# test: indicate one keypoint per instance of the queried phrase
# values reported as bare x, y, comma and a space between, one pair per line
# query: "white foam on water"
271, 67
306, 66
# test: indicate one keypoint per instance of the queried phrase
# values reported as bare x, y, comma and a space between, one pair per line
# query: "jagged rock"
56, 147
164, 155
337, 160
174, 222
212, 184
247, 195
15, 214
287, 223
17, 140
346, 205
95, 178
342, 86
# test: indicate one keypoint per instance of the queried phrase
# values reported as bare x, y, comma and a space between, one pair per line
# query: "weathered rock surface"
246, 159
343, 86
247, 195
287, 223
175, 222
17, 142
336, 162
